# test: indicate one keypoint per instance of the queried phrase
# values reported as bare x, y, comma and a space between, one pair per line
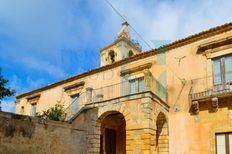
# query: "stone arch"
110, 108
94, 136
112, 133
162, 134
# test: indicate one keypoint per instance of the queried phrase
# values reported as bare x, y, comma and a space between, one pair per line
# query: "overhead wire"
182, 80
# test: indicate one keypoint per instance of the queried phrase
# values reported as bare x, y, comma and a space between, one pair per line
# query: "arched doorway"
162, 139
113, 134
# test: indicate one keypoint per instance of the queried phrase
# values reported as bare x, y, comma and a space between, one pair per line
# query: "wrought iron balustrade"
114, 91
205, 87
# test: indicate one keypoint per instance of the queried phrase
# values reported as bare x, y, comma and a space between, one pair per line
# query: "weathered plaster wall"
192, 134
27, 135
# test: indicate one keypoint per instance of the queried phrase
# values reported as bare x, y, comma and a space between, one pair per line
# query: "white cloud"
41, 65
172, 19
38, 31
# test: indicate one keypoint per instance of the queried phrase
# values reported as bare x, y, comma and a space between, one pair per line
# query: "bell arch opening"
112, 56
113, 134
162, 135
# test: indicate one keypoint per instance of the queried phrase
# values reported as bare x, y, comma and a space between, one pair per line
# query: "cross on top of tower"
124, 32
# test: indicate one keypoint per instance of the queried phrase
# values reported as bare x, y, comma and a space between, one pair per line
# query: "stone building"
175, 99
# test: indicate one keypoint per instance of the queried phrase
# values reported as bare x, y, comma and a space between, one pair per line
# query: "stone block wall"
28, 135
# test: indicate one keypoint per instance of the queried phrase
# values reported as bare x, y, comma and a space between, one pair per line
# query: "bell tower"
122, 47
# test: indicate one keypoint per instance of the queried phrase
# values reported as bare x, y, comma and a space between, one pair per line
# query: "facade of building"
175, 99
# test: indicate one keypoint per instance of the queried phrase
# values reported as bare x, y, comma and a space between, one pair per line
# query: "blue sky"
43, 41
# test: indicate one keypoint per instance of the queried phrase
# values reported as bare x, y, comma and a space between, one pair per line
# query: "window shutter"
217, 71
132, 86
75, 103
228, 68
221, 144
141, 85
33, 110
230, 142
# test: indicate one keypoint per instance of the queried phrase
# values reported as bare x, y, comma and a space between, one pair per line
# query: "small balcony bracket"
214, 104
195, 107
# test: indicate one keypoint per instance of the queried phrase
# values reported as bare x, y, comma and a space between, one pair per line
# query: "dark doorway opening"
113, 134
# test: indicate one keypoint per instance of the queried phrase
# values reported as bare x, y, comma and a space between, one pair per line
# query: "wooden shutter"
221, 144
228, 68
75, 103
217, 71
132, 86
33, 109
141, 84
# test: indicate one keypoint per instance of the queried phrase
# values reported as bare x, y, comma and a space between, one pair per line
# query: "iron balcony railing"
114, 91
205, 87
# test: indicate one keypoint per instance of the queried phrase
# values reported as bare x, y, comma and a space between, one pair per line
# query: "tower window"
130, 53
112, 56
22, 109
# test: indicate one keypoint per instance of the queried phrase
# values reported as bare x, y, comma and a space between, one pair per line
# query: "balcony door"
222, 73
75, 103
224, 143
136, 85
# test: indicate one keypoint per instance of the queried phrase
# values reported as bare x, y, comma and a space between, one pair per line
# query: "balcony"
204, 89
116, 91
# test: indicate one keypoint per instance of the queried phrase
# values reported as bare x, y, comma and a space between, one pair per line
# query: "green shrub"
56, 113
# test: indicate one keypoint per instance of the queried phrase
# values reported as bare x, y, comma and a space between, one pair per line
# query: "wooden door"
110, 141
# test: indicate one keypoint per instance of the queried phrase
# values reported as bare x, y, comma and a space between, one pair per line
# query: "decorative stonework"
147, 78
124, 33
214, 104
195, 107
136, 69
141, 117
74, 88
33, 98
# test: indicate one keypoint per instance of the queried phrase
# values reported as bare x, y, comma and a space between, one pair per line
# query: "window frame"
137, 86
223, 69
74, 109
33, 113
227, 141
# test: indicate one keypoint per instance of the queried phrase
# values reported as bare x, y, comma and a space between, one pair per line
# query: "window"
224, 143
228, 68
75, 103
222, 69
136, 85
130, 53
132, 86
22, 109
33, 109
112, 56
141, 84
